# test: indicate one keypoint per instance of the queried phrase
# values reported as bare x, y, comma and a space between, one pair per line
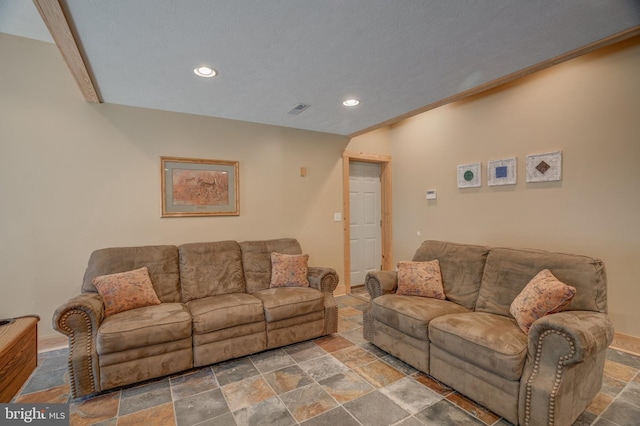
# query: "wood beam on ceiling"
58, 25
607, 41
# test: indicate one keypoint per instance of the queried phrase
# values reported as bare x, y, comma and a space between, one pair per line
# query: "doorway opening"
373, 215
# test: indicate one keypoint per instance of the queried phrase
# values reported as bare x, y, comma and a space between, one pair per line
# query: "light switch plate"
432, 194
337, 217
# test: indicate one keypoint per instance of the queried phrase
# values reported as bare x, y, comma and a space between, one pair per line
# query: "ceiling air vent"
298, 109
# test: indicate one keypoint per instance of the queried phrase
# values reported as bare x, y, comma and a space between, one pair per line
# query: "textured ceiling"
395, 56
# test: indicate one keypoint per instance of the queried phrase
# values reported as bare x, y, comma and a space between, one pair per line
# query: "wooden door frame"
385, 213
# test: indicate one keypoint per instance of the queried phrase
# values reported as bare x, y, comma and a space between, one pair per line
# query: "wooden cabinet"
18, 355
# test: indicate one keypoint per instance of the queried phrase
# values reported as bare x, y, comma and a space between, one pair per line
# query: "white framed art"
469, 175
502, 172
544, 167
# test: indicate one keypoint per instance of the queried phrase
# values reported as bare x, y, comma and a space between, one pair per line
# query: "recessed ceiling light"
205, 71
351, 102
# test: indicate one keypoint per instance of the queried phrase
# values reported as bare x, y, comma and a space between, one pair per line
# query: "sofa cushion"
411, 315
491, 342
209, 269
224, 311
161, 261
420, 279
126, 290
289, 270
461, 266
289, 302
509, 270
141, 327
543, 295
256, 260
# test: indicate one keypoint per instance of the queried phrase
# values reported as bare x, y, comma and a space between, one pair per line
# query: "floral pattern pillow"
544, 295
126, 290
289, 270
420, 279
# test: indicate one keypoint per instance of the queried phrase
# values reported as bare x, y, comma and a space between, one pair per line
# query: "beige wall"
375, 142
75, 177
589, 108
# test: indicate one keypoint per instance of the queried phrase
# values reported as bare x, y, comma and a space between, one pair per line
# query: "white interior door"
365, 221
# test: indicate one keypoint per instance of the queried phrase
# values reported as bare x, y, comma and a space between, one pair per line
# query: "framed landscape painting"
194, 187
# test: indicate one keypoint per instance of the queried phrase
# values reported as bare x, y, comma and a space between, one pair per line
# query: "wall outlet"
432, 194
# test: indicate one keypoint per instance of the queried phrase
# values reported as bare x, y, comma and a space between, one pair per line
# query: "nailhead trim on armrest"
72, 341
556, 383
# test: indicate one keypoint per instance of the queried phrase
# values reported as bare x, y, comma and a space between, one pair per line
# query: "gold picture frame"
196, 187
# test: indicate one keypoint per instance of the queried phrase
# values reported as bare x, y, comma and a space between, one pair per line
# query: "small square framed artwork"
469, 175
544, 167
502, 172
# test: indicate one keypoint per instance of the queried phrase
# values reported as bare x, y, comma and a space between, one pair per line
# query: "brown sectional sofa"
471, 342
216, 305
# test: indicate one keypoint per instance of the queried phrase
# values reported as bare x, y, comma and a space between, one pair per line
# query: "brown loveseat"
471, 341
217, 304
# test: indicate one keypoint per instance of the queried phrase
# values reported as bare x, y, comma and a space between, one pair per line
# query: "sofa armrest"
564, 367
326, 280
378, 283
79, 319
587, 333
323, 279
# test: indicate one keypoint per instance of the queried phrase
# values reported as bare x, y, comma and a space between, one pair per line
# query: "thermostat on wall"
431, 194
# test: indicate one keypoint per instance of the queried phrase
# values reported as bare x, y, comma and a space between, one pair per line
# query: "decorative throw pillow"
544, 295
420, 279
126, 290
289, 270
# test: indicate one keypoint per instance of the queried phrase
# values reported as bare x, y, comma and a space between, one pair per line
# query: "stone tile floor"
335, 380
